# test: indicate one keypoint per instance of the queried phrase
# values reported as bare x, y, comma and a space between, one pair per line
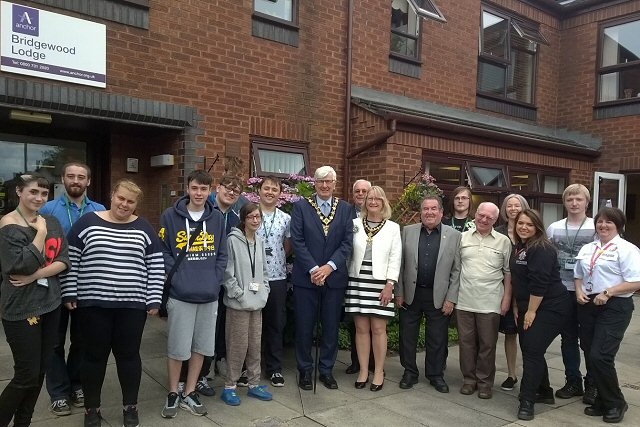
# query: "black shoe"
439, 384
376, 387
408, 381
525, 410
304, 381
570, 389
615, 415
361, 384
590, 394
92, 417
353, 369
546, 398
594, 411
328, 381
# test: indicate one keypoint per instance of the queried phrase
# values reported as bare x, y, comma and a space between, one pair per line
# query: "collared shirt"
321, 202
619, 262
428, 248
68, 212
484, 261
277, 225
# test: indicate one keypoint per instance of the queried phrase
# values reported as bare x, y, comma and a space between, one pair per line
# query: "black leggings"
105, 330
32, 342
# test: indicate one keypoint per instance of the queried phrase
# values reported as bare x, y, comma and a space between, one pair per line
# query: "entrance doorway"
632, 230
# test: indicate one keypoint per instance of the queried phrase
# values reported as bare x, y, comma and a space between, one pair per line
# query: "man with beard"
63, 378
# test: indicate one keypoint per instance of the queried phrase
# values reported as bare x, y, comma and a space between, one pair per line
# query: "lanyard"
594, 257
566, 231
252, 261
22, 216
68, 203
267, 231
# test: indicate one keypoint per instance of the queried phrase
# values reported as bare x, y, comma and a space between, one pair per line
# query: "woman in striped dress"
116, 279
373, 272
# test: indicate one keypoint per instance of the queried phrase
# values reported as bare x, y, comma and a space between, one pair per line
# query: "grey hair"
503, 209
323, 171
358, 181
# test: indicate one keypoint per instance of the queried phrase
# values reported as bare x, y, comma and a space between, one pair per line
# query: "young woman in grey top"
33, 251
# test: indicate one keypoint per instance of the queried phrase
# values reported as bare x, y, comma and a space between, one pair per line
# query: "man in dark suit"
321, 233
428, 286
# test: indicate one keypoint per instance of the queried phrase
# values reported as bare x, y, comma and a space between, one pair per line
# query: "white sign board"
52, 46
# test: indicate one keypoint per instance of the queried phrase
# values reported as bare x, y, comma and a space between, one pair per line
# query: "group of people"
219, 267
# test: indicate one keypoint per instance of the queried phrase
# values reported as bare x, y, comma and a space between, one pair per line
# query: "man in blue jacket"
322, 234
63, 379
195, 286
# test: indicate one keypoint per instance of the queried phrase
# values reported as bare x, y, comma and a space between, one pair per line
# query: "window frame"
527, 30
617, 68
418, 39
283, 146
293, 24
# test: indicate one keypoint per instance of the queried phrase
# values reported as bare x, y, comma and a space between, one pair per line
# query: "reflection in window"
488, 177
445, 173
523, 181
506, 66
620, 62
282, 9
405, 29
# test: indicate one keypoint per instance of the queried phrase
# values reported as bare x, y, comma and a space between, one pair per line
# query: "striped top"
114, 265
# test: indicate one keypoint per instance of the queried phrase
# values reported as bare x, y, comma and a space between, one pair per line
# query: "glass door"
609, 189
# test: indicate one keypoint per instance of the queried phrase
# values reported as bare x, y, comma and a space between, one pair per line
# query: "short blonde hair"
377, 191
574, 189
128, 185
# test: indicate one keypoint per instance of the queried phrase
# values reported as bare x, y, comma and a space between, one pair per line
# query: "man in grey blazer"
428, 286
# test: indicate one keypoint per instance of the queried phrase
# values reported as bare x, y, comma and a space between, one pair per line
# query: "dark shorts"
508, 324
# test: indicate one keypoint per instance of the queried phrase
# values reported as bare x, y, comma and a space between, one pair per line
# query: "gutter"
377, 139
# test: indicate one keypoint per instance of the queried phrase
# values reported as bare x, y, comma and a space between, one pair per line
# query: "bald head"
486, 215
360, 188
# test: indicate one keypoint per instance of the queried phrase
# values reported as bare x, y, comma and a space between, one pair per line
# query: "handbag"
167, 283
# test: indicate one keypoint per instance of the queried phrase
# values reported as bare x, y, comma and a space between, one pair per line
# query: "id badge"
569, 264
268, 251
43, 282
254, 286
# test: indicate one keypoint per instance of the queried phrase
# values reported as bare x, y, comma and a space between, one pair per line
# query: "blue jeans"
62, 376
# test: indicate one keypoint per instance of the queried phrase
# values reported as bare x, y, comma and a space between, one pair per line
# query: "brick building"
504, 95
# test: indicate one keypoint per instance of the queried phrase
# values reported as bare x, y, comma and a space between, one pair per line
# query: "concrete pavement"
420, 406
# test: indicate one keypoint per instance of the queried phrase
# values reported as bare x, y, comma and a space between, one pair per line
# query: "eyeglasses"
487, 217
375, 199
325, 181
231, 189
252, 217
461, 198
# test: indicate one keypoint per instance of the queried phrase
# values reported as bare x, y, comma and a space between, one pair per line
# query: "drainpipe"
347, 107
377, 139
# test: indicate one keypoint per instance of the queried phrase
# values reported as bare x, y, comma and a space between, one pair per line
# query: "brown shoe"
485, 394
467, 389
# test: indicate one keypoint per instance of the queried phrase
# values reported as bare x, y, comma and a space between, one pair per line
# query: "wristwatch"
606, 292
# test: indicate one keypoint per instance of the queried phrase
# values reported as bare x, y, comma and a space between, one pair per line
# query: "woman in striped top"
373, 272
116, 279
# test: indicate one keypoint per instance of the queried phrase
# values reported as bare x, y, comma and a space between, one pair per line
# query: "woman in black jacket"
541, 305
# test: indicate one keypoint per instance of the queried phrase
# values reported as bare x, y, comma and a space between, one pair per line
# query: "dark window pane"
491, 78
520, 85
621, 44
404, 18
488, 177
444, 173
494, 35
523, 181
403, 45
623, 84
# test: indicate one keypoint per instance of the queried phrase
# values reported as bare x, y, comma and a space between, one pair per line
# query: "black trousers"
601, 331
31, 345
105, 330
548, 323
437, 335
274, 319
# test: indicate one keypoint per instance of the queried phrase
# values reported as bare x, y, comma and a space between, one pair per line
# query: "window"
405, 25
279, 158
619, 71
276, 20
281, 9
507, 61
